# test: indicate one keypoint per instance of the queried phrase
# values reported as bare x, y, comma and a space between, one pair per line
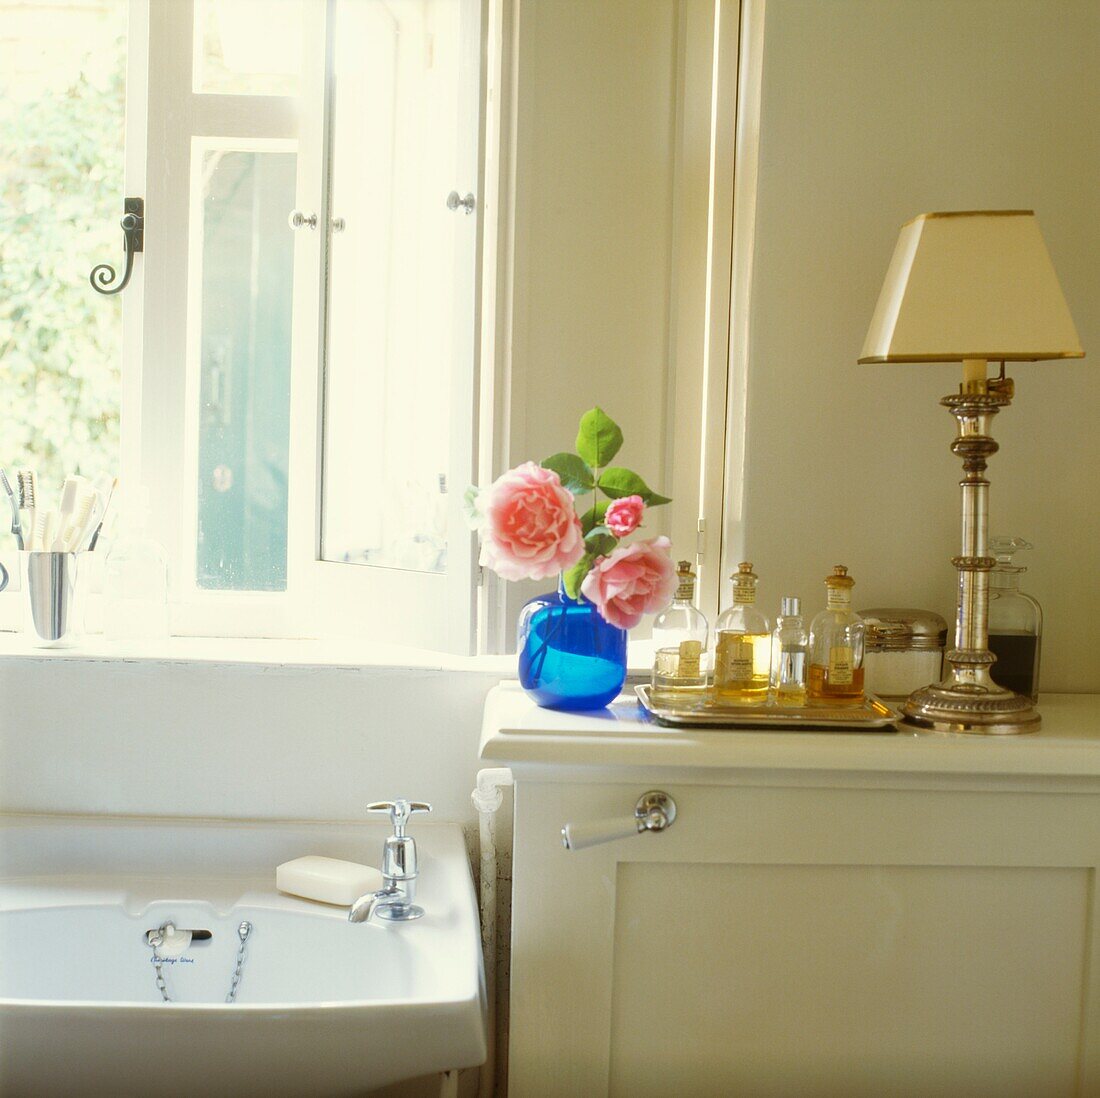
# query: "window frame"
417, 609
167, 121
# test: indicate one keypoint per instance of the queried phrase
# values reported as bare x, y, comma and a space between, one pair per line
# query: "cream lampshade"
970, 287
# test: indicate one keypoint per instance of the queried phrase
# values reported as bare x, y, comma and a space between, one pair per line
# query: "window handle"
299, 220
133, 241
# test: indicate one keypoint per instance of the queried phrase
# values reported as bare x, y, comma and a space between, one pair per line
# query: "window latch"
133, 237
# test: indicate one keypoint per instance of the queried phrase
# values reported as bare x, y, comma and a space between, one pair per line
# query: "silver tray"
869, 715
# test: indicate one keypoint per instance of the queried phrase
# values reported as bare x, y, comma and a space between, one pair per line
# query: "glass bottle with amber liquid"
680, 635
836, 644
742, 645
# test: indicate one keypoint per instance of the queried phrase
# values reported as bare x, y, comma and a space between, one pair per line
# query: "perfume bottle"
1015, 622
836, 644
743, 645
790, 653
680, 635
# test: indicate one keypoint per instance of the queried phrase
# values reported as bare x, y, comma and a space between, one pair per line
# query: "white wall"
165, 738
873, 111
612, 109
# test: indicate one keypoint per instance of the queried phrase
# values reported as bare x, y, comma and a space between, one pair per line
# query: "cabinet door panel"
847, 979
807, 941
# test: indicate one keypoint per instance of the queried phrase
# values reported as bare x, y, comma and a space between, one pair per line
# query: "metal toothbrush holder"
55, 597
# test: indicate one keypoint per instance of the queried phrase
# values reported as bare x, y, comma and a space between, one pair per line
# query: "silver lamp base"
955, 707
968, 700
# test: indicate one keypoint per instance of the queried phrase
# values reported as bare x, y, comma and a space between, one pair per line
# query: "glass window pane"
244, 428
248, 47
62, 88
395, 249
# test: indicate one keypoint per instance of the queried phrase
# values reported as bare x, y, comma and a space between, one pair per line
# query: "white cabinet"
866, 914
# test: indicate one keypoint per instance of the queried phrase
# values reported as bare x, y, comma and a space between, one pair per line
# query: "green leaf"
594, 516
599, 438
470, 508
575, 476
600, 542
617, 483
574, 577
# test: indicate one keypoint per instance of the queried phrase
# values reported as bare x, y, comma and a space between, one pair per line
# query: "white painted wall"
872, 111
612, 159
165, 738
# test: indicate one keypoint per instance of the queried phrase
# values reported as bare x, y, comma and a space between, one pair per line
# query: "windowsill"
342, 653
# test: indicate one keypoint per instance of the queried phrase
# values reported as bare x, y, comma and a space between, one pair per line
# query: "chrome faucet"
394, 900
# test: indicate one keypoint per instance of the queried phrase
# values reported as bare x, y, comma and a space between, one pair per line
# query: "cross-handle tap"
399, 812
400, 869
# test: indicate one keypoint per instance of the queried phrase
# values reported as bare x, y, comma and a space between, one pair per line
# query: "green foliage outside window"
61, 172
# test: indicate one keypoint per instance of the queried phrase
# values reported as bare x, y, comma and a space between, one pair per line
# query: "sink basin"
324, 1007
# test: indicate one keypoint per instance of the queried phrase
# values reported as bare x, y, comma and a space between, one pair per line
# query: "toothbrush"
82, 513
103, 515
69, 495
49, 529
27, 480
103, 487
16, 522
38, 534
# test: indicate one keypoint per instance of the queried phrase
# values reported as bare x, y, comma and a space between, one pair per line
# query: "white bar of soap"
327, 879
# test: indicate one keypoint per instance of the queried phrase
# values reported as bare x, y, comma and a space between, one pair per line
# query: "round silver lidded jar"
903, 650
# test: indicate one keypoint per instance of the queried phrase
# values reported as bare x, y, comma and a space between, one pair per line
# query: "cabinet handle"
655, 811
455, 201
299, 220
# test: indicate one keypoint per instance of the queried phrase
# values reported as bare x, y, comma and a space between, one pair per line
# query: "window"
401, 255
62, 101
393, 264
214, 146
290, 372
239, 300
248, 47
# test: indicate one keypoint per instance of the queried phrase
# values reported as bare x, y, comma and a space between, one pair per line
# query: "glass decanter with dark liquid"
1015, 622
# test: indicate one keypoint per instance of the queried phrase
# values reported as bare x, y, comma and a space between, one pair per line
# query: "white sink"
324, 1007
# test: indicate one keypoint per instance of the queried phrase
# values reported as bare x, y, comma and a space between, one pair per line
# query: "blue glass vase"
569, 656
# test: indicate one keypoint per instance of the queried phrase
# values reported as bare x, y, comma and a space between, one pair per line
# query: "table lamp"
974, 287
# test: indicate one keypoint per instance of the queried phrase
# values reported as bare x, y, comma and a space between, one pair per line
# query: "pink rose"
624, 516
530, 528
634, 580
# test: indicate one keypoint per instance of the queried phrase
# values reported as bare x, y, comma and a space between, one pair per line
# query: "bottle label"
744, 596
841, 670
691, 653
838, 598
734, 658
